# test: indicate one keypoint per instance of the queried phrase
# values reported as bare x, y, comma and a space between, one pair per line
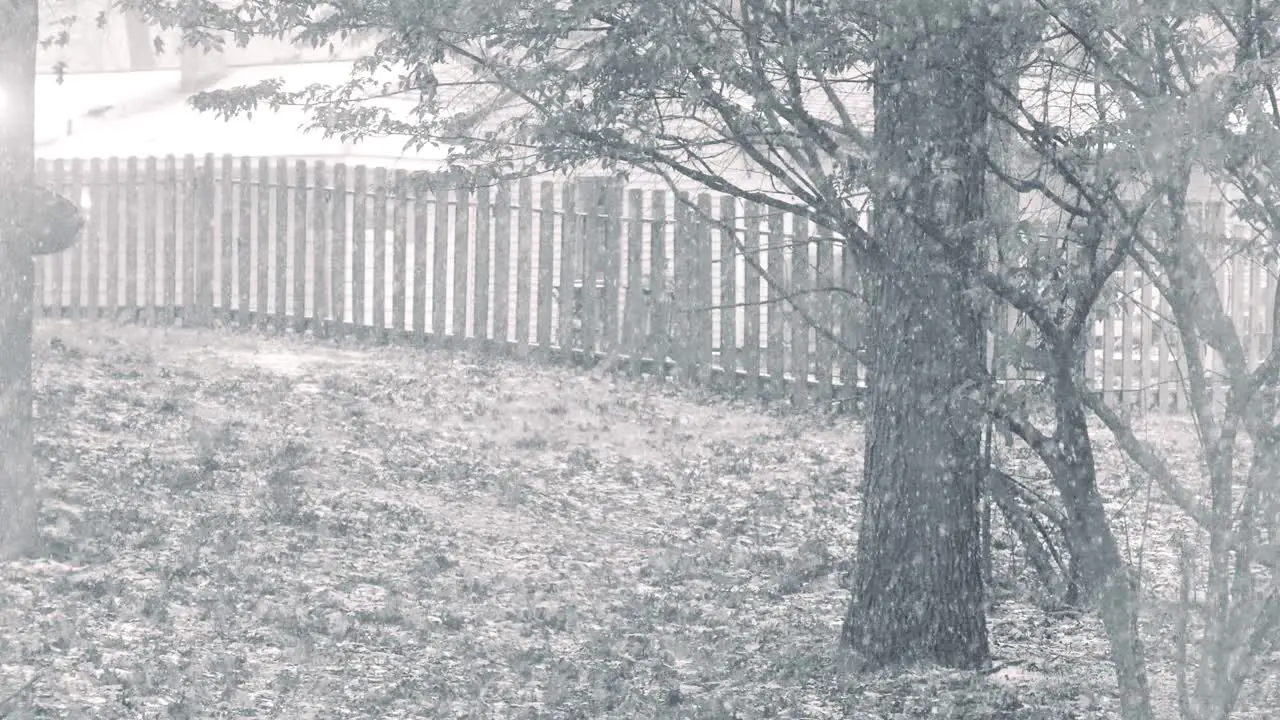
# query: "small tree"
1165, 95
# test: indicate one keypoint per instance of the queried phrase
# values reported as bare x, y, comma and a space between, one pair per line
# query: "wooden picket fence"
756, 300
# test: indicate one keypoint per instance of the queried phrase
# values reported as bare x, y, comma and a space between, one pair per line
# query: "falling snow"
930, 370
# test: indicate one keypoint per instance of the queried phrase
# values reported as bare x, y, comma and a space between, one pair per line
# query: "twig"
5, 710
1148, 460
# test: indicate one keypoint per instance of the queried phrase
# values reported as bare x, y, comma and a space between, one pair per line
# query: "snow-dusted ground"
439, 512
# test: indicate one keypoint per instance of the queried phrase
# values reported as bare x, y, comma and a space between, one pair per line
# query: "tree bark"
198, 69
918, 589
1105, 575
142, 53
18, 36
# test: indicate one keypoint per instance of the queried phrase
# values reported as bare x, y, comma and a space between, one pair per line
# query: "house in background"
101, 104
138, 114
124, 42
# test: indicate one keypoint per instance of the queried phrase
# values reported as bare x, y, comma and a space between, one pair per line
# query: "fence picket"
226, 201
797, 327
565, 317
701, 312
301, 240
610, 267
683, 265
1147, 364
728, 300
421, 207
634, 315
481, 287
244, 241
399, 250
440, 265
751, 309
502, 265
824, 316
1268, 306
338, 253
282, 245
77, 191
546, 263
58, 180
132, 236
189, 192
1127, 390
590, 238
775, 359
378, 288
461, 261
1260, 306
320, 248
205, 235
151, 220
94, 240
1174, 368
359, 209
659, 341
1108, 374
1215, 365
111, 246
1239, 292
524, 264
262, 259
172, 228
1251, 319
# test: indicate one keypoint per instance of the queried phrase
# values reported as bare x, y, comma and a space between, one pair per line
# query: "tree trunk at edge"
18, 36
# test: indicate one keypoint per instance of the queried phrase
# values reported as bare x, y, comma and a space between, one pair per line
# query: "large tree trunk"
918, 590
199, 69
142, 52
18, 36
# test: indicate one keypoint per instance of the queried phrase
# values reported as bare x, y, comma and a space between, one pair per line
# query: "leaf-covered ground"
237, 525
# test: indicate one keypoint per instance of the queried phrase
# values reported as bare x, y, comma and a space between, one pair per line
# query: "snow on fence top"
752, 296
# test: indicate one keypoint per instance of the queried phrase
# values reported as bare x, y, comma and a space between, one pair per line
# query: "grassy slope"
270, 527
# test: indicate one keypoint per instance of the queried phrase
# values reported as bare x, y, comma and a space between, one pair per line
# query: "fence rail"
534, 267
